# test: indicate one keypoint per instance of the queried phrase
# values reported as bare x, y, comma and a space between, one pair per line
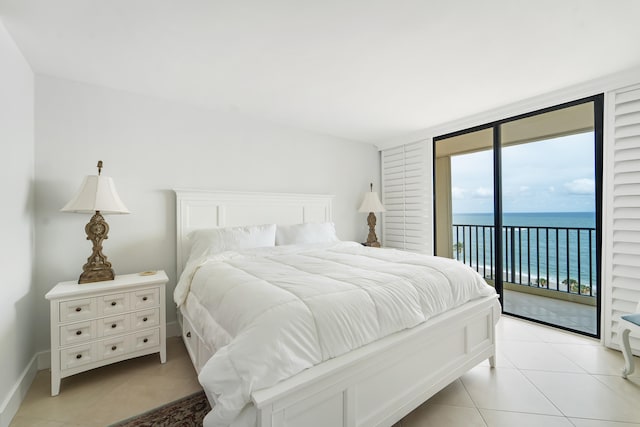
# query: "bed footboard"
382, 382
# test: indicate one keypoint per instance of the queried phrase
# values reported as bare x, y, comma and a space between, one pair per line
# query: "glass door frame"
598, 115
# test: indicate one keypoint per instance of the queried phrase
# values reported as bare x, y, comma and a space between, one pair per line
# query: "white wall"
17, 323
150, 146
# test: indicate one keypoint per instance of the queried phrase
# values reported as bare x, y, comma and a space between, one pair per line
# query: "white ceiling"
365, 70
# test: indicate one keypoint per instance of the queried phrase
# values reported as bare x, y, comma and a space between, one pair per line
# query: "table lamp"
371, 204
97, 195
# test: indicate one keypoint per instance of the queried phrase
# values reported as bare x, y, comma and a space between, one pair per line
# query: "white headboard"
197, 209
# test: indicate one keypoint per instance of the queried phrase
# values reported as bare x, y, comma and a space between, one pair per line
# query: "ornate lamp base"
372, 239
97, 268
97, 275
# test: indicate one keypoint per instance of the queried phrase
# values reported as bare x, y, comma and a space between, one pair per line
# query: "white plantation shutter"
621, 254
406, 195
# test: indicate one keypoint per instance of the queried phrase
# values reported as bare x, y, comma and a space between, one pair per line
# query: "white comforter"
274, 312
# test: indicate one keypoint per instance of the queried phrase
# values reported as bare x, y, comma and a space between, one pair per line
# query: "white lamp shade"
371, 203
97, 193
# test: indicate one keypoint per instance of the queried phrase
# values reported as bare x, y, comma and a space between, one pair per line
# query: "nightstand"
96, 324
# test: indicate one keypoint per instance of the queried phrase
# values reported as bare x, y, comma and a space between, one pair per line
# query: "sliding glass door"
519, 201
465, 213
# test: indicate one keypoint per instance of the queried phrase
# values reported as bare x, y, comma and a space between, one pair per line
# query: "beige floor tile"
453, 395
509, 329
23, 421
529, 387
506, 390
502, 361
105, 395
629, 388
136, 396
581, 422
519, 419
538, 356
430, 415
594, 359
78, 392
514, 329
583, 396
552, 335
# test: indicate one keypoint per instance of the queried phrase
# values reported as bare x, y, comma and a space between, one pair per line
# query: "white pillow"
215, 240
306, 233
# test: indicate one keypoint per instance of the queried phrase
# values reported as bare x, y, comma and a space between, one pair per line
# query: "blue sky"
555, 175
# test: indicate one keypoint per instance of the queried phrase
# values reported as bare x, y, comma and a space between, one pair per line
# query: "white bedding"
273, 312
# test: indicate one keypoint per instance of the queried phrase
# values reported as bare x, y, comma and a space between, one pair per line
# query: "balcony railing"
554, 258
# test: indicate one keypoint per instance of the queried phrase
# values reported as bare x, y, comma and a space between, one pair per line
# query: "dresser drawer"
191, 342
145, 339
145, 298
78, 309
114, 325
114, 347
77, 333
101, 323
145, 319
78, 356
113, 304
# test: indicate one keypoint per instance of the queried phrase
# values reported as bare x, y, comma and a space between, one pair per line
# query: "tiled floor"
571, 315
109, 394
543, 377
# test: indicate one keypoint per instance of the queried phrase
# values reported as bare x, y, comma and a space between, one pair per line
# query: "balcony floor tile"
567, 314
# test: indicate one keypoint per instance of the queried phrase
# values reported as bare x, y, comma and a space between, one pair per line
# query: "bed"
372, 377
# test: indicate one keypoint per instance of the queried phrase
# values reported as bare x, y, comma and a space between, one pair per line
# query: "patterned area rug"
186, 412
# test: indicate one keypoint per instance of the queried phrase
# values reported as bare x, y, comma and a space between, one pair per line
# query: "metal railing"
554, 258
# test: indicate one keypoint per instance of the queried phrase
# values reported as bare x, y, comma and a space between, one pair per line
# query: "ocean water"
553, 249
541, 219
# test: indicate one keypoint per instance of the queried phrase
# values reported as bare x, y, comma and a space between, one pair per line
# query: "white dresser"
96, 324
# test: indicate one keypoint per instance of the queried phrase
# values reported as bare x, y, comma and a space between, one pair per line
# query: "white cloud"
483, 192
459, 193
581, 186
552, 189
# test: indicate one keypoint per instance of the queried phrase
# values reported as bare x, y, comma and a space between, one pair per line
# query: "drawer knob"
189, 334
78, 356
144, 298
113, 348
113, 303
144, 319
78, 332
113, 326
145, 340
78, 309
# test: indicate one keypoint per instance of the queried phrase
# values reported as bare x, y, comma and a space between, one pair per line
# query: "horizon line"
521, 212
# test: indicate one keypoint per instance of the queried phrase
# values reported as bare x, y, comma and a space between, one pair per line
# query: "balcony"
549, 273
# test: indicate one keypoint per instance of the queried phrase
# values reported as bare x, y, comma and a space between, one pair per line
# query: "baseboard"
173, 329
40, 361
44, 360
12, 402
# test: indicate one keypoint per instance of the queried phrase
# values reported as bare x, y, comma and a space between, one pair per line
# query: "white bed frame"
375, 385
